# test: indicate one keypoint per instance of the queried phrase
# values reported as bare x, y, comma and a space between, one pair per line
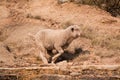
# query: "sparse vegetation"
89, 32
102, 39
108, 44
111, 6
66, 24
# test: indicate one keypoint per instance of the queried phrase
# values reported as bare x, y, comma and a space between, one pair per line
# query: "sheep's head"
74, 31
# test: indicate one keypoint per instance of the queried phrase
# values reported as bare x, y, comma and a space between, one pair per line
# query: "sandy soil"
17, 48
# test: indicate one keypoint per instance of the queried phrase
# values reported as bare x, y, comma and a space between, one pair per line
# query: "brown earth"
100, 36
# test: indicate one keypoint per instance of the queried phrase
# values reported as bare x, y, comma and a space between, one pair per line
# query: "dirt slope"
69, 12
101, 31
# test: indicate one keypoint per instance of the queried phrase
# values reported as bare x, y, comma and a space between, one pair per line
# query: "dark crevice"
8, 49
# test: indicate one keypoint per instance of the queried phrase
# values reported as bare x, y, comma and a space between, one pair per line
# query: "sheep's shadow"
69, 56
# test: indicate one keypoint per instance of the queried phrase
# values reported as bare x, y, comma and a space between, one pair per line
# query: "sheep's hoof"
53, 64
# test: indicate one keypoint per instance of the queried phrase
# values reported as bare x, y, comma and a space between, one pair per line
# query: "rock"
62, 64
52, 77
75, 74
63, 1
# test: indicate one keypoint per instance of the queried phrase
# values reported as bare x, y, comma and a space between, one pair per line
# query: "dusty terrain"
97, 59
100, 31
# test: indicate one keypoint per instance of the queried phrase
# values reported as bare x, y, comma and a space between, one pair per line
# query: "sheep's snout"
76, 34
79, 34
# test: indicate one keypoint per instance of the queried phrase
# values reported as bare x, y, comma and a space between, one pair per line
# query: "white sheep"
48, 39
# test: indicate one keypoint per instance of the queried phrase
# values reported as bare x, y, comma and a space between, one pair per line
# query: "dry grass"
108, 44
103, 53
66, 24
88, 32
102, 39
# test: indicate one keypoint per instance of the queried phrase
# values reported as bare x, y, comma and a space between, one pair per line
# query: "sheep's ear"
72, 29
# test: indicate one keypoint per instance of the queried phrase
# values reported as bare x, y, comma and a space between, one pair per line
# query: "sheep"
56, 40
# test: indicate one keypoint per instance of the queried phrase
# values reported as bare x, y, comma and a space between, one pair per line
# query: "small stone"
62, 64
74, 74
63, 1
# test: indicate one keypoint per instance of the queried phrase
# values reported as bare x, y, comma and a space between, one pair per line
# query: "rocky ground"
100, 39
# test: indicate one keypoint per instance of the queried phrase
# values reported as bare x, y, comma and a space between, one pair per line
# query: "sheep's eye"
72, 29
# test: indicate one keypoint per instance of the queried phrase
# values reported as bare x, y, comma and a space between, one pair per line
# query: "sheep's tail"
32, 37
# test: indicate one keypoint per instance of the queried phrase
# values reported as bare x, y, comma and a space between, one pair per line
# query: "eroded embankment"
86, 72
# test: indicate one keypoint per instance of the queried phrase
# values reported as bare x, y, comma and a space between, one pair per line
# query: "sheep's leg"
60, 52
55, 57
42, 56
42, 51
